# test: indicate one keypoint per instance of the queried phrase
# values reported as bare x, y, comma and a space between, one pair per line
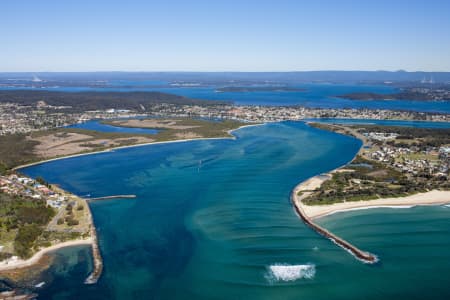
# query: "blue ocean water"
316, 95
98, 126
212, 220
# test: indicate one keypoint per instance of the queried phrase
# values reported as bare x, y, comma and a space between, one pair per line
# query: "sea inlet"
213, 220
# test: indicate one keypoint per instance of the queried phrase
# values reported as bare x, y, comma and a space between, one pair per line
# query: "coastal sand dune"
434, 197
310, 212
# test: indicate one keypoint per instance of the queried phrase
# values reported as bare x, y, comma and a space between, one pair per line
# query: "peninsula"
383, 174
38, 218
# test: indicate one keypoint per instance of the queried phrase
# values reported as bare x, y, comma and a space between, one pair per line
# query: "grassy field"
203, 128
17, 150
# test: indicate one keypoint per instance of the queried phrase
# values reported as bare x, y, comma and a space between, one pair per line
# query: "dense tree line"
423, 137
27, 216
15, 149
429, 135
83, 101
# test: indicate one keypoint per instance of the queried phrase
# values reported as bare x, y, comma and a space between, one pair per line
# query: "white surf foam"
285, 272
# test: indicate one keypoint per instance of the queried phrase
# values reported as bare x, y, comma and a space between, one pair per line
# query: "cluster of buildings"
16, 118
444, 152
381, 136
438, 94
27, 187
401, 158
256, 113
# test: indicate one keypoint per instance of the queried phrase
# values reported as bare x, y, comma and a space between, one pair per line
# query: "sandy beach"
310, 212
20, 263
306, 188
434, 197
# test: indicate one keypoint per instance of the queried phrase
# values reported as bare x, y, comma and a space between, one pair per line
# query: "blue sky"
214, 35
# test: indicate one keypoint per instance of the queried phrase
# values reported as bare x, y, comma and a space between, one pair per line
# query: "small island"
249, 89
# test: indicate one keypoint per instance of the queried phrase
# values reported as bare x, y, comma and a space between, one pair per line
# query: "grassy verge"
18, 150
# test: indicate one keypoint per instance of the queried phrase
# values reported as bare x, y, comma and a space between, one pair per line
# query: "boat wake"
285, 272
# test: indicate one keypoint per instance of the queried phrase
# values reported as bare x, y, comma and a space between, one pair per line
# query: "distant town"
17, 118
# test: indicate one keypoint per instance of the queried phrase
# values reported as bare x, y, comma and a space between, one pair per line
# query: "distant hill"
83, 101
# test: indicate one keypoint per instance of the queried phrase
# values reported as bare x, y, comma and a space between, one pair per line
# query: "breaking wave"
285, 272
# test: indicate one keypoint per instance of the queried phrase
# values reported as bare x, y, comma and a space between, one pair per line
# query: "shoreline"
434, 197
230, 132
308, 213
406, 120
310, 184
8, 265
364, 256
430, 198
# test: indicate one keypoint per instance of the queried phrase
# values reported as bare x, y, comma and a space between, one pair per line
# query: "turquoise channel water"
213, 220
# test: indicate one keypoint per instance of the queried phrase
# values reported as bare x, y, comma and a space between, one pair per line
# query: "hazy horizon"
209, 76
224, 71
